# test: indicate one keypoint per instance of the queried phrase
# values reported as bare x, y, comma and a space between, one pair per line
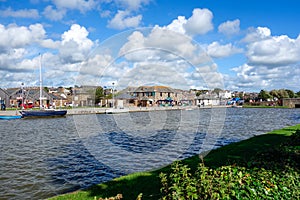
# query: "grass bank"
274, 151
257, 106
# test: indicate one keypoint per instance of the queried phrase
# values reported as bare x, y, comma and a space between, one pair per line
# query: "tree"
298, 94
99, 93
291, 93
275, 94
283, 93
217, 91
264, 95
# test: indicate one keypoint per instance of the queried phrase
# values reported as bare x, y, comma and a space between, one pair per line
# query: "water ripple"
41, 158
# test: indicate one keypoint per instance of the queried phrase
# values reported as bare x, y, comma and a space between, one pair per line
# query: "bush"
271, 174
229, 182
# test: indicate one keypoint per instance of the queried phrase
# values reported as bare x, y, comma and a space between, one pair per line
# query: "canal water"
40, 158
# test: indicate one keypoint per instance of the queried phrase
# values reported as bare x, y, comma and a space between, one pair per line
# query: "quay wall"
291, 102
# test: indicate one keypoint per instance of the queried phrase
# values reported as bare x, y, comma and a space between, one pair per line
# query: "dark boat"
43, 113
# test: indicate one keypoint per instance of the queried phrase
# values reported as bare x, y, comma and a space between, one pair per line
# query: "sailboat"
42, 112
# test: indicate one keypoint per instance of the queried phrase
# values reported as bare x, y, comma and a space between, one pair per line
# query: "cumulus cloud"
200, 22
75, 44
123, 19
260, 33
177, 25
132, 4
11, 37
54, 14
23, 13
230, 27
81, 5
272, 50
165, 42
217, 50
249, 77
175, 55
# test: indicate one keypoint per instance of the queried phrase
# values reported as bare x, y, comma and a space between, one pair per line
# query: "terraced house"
157, 95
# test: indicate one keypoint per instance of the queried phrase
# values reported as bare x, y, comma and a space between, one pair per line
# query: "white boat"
116, 110
42, 112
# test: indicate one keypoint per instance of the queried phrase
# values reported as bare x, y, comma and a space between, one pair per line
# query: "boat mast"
113, 103
41, 82
22, 88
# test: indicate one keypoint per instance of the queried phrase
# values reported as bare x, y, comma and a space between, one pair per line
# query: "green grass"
254, 106
149, 183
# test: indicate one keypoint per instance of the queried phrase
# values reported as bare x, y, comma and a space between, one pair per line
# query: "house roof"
154, 89
125, 96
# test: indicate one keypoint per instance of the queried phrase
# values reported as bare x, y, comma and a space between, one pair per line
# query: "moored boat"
9, 117
43, 113
116, 110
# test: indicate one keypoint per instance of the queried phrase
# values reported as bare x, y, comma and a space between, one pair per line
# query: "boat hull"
116, 110
9, 117
43, 113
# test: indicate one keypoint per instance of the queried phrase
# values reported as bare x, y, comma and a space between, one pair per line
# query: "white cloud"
123, 20
54, 14
177, 25
250, 77
260, 33
162, 44
230, 27
132, 4
217, 50
274, 51
200, 22
23, 13
169, 58
81, 5
75, 44
11, 37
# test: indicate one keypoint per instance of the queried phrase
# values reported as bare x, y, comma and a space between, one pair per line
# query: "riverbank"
98, 110
251, 153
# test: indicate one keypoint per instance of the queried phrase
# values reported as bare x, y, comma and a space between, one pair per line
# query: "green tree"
283, 93
298, 94
274, 94
264, 95
99, 93
217, 91
291, 93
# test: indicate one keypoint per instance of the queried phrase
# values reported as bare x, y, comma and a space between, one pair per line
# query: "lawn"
273, 153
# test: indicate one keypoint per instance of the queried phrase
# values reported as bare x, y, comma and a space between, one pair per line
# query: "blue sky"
244, 45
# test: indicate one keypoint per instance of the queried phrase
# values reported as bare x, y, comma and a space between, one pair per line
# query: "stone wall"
291, 102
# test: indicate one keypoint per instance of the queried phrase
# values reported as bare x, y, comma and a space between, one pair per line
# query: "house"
208, 99
155, 95
185, 98
15, 97
4, 99
124, 100
83, 96
30, 97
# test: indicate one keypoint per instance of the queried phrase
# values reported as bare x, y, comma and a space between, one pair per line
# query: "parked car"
26, 106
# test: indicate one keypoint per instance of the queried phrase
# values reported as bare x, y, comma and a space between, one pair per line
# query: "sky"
236, 45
